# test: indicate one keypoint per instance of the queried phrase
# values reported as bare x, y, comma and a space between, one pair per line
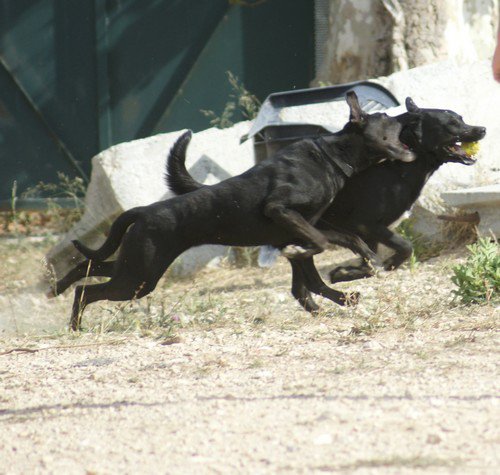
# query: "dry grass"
243, 299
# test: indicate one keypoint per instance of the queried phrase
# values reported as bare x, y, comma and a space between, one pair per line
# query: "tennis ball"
470, 148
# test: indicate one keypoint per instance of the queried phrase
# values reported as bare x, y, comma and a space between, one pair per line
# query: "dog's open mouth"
464, 152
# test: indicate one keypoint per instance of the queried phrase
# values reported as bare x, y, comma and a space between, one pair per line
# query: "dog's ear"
356, 113
411, 106
412, 132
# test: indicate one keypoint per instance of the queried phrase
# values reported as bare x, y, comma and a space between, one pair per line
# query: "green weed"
72, 188
240, 100
478, 279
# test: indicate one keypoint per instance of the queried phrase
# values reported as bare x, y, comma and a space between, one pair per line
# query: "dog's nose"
482, 131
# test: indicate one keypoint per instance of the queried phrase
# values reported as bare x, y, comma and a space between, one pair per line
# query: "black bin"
270, 133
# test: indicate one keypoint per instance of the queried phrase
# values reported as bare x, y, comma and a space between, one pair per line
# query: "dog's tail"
177, 177
118, 229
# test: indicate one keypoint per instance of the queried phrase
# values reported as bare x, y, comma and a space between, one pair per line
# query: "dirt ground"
225, 374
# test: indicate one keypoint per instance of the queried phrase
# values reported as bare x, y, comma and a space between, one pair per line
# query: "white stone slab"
483, 195
485, 200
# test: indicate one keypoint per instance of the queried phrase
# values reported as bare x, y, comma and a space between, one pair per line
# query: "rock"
132, 174
485, 200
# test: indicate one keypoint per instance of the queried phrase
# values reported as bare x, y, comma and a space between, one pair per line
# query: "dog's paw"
310, 306
294, 251
351, 299
50, 294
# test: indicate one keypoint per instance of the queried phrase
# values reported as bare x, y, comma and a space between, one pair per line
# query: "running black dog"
375, 198
276, 202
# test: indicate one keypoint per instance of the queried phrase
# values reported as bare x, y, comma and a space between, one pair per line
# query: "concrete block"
485, 200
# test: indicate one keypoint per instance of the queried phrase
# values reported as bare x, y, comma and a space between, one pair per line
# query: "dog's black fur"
275, 202
378, 196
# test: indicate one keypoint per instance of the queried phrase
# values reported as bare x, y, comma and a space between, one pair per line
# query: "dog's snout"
481, 131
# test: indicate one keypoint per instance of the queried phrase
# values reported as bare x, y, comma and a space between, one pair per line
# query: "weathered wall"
370, 38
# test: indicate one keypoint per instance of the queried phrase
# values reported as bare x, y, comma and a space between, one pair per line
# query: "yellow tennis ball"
471, 148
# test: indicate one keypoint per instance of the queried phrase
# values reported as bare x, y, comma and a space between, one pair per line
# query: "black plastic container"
270, 133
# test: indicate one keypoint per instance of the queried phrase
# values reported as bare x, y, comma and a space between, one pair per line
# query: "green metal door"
77, 76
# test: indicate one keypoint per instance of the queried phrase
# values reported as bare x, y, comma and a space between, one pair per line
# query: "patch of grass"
478, 279
460, 340
53, 219
137, 316
204, 309
60, 219
256, 364
368, 327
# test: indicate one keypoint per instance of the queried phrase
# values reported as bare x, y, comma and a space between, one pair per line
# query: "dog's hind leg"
124, 285
142, 261
115, 290
299, 289
315, 284
87, 268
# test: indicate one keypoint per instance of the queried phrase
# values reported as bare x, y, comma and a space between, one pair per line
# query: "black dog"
378, 196
275, 203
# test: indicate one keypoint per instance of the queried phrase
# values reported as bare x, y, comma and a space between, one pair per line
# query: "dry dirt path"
405, 383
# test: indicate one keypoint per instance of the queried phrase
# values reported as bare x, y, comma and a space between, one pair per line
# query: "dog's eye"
384, 138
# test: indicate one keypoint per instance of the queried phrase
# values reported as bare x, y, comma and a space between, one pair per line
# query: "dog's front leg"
355, 244
377, 234
402, 247
315, 284
299, 230
299, 288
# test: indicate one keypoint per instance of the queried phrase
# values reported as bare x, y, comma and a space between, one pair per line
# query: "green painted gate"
77, 76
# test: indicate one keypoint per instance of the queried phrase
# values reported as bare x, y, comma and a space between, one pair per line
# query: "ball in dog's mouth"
468, 150
471, 148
